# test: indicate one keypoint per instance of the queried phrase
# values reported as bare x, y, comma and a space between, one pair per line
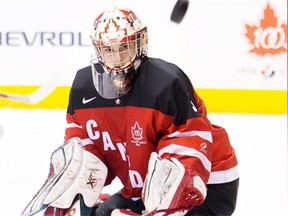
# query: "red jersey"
161, 113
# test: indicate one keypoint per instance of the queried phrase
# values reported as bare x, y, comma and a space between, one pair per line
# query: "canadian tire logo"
269, 36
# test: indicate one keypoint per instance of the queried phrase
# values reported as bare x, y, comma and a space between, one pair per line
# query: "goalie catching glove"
72, 171
170, 188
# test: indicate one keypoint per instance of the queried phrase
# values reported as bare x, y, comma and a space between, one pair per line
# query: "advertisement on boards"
238, 50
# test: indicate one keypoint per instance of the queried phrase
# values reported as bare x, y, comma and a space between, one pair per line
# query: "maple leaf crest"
137, 132
270, 37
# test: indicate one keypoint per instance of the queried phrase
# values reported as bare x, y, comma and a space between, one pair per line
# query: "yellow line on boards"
216, 100
58, 99
245, 101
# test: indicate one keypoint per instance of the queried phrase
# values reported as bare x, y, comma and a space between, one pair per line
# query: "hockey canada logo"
137, 134
269, 36
204, 147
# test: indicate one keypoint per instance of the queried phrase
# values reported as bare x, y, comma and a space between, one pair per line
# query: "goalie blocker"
169, 189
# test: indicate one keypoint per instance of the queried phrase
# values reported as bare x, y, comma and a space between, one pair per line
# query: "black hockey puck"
179, 11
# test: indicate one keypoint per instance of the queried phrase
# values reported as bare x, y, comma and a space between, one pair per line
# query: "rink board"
217, 100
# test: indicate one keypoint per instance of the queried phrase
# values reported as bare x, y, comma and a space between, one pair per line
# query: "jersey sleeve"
73, 126
75, 129
188, 138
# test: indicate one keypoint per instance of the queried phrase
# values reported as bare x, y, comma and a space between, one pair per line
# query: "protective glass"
113, 84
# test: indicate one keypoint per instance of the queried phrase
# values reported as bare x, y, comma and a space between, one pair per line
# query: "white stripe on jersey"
203, 134
182, 150
224, 176
86, 141
73, 125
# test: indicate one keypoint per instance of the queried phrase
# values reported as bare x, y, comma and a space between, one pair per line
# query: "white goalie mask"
120, 41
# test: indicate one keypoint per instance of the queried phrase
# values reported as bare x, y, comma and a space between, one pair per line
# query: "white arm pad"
170, 188
72, 171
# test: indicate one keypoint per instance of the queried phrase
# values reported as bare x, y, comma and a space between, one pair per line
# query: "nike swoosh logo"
85, 101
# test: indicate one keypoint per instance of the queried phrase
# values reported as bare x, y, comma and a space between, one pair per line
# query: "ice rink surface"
260, 141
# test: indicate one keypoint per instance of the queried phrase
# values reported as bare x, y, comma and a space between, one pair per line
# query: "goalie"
138, 118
